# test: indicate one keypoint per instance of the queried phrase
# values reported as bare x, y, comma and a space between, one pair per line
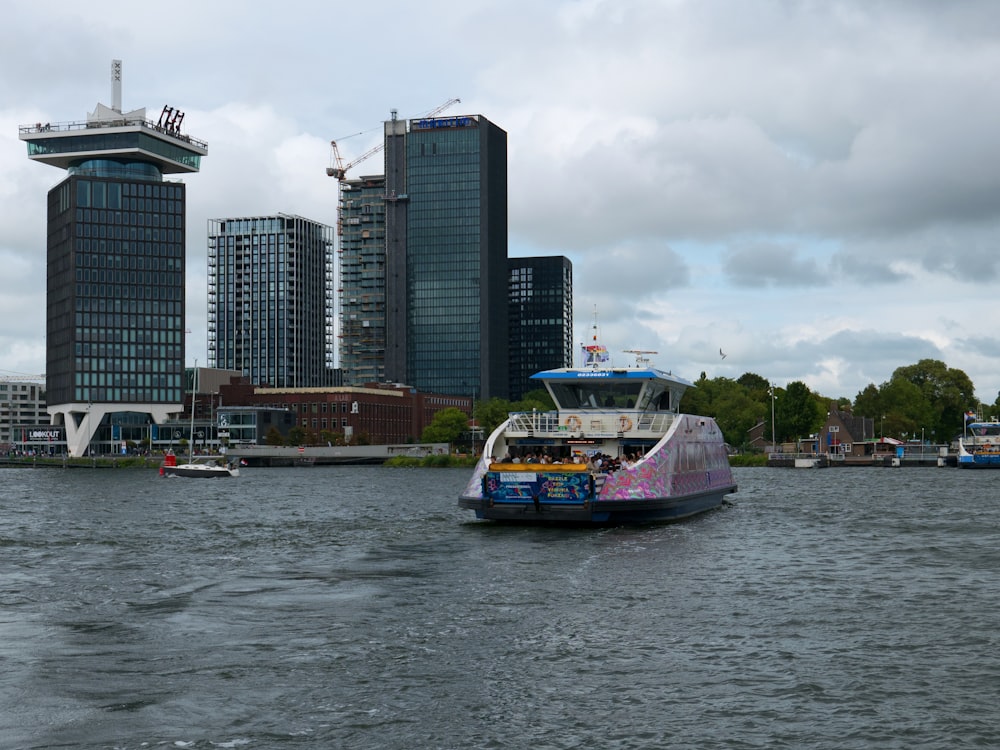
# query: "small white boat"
202, 468
208, 467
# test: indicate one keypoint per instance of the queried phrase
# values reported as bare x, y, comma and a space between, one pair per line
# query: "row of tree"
926, 400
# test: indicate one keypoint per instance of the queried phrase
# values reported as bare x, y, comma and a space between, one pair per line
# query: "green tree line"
926, 399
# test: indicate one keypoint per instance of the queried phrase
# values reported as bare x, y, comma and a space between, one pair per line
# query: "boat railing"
589, 423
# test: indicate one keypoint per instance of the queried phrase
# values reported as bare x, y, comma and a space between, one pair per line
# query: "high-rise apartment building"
115, 315
541, 319
446, 255
271, 299
361, 256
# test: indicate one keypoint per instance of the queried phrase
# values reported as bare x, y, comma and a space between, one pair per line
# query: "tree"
735, 407
754, 383
446, 427
948, 393
906, 408
796, 412
537, 399
868, 403
295, 435
491, 414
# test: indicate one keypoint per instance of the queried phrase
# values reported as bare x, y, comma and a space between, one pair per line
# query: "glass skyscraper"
271, 300
541, 319
116, 252
446, 255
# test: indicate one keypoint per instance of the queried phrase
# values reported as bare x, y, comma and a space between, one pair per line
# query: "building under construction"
361, 254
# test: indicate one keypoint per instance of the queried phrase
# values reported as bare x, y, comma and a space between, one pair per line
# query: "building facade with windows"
115, 307
271, 299
22, 405
361, 293
540, 325
446, 255
376, 413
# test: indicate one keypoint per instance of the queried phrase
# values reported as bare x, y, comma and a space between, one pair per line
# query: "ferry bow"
615, 450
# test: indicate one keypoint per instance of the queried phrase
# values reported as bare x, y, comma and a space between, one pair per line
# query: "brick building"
377, 413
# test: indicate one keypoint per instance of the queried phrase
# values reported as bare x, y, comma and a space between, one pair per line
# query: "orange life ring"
624, 424
573, 423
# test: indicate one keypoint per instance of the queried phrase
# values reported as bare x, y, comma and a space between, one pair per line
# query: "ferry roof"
629, 373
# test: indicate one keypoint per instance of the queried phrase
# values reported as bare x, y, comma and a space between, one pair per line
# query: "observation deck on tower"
112, 142
108, 135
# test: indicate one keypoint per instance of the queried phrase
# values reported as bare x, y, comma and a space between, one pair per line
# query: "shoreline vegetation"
446, 461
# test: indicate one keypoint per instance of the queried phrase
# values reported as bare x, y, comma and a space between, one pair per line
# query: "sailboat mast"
194, 394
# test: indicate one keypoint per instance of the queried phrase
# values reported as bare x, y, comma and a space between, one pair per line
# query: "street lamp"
773, 439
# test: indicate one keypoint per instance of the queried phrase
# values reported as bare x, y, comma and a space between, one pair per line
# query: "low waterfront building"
846, 435
376, 413
23, 416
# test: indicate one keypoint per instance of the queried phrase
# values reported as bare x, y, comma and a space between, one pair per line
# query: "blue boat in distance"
615, 450
979, 448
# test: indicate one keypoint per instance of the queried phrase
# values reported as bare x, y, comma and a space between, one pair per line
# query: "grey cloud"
770, 264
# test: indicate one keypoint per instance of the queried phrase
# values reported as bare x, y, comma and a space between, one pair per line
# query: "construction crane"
337, 167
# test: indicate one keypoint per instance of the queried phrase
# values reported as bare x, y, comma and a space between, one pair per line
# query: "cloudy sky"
811, 187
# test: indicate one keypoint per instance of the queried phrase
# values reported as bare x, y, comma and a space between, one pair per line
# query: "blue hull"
597, 513
980, 461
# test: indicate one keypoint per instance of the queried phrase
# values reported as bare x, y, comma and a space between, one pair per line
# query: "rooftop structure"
111, 137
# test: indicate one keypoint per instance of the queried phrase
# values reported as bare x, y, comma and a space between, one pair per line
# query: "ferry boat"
615, 450
980, 447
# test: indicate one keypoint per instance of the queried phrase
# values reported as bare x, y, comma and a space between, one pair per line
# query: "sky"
808, 187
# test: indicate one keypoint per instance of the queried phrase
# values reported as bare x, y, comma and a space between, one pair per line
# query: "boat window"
595, 395
657, 397
650, 395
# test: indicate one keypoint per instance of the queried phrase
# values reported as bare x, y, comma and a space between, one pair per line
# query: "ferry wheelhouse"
615, 450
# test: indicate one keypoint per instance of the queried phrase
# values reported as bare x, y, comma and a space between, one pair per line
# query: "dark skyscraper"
541, 319
116, 253
446, 255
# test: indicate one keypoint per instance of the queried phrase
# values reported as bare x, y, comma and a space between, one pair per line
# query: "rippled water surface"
357, 607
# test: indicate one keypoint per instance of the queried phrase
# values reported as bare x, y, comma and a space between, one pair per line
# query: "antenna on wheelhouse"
640, 359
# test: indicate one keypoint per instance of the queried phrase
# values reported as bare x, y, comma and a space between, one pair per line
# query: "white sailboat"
208, 467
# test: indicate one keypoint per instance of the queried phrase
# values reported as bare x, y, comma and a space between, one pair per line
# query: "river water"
357, 607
